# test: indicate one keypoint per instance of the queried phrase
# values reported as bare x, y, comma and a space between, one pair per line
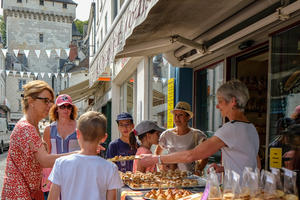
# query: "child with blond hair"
86, 175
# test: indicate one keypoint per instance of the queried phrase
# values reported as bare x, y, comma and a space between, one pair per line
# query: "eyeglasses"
45, 99
69, 107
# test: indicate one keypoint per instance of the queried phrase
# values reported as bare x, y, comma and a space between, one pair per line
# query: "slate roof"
75, 31
64, 1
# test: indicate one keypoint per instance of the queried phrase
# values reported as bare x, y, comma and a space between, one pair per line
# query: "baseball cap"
146, 126
124, 116
63, 99
183, 106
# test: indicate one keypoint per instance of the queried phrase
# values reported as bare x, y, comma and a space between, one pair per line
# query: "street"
2, 168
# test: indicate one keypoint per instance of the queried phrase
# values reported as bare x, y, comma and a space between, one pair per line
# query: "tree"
3, 30
79, 25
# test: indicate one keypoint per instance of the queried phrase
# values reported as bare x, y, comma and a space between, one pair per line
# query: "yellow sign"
276, 157
170, 102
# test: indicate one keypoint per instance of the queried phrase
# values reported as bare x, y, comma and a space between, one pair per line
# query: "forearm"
48, 160
179, 157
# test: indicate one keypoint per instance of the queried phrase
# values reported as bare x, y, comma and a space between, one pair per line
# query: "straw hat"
183, 106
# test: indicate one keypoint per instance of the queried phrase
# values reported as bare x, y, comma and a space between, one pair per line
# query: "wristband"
159, 160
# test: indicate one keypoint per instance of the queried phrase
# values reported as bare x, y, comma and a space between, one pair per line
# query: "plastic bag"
279, 185
270, 186
213, 186
289, 184
227, 185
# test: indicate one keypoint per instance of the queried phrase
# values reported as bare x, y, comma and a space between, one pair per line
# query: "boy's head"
125, 123
92, 126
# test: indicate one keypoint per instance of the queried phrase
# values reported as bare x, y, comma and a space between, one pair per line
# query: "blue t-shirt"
120, 148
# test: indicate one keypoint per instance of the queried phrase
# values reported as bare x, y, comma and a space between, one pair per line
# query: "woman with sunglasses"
27, 155
60, 135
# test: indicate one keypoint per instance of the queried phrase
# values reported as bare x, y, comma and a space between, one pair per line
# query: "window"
41, 37
65, 5
21, 83
105, 31
41, 2
128, 92
162, 75
19, 104
19, 1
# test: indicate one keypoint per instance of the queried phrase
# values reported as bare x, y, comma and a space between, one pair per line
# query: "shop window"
41, 2
19, 1
162, 71
207, 81
128, 94
285, 82
65, 5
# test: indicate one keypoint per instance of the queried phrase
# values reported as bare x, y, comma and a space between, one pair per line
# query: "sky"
82, 10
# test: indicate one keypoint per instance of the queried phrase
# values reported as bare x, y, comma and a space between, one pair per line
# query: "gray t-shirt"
242, 144
173, 142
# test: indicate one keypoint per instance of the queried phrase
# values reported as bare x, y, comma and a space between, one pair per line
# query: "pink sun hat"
63, 99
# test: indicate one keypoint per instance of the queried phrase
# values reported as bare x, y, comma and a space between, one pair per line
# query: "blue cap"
124, 116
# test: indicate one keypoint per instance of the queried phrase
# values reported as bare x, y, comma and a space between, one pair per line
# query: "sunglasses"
45, 99
62, 107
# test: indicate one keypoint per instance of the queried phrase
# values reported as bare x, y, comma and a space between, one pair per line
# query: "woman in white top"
238, 138
182, 138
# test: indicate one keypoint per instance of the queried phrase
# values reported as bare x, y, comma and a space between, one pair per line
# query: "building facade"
35, 25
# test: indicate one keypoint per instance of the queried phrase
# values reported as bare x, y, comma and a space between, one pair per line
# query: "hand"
218, 168
100, 148
148, 159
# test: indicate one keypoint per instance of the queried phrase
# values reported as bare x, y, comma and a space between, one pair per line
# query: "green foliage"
3, 30
79, 25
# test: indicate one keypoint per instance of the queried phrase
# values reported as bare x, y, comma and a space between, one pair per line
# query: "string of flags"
38, 52
36, 74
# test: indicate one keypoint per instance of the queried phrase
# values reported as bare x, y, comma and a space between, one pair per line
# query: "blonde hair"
33, 89
54, 115
92, 126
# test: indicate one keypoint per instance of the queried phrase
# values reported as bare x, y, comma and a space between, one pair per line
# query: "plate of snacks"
123, 158
168, 194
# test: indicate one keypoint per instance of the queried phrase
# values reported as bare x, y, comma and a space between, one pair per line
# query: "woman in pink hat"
60, 135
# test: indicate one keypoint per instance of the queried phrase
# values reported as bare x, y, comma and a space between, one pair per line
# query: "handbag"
35, 195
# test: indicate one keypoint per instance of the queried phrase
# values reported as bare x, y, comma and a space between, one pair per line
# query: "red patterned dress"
23, 171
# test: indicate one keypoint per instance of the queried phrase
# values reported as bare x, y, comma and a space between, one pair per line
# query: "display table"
125, 193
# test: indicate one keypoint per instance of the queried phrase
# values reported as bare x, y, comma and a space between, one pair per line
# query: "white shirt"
242, 144
173, 142
85, 177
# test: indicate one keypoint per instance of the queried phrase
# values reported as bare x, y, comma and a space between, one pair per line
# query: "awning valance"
79, 91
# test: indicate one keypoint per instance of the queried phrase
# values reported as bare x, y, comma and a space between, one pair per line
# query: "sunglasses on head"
69, 107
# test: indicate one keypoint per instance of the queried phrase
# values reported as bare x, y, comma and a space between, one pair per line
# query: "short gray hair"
236, 89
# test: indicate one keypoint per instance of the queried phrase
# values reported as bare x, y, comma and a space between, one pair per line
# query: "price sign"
276, 157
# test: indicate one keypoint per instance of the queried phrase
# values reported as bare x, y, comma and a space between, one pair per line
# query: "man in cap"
182, 137
120, 146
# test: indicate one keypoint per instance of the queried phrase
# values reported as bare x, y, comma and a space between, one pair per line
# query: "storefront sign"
135, 13
276, 157
170, 102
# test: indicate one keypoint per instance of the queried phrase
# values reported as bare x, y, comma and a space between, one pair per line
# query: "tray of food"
161, 180
168, 194
123, 158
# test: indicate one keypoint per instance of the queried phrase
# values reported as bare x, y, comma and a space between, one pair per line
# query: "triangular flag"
58, 52
67, 51
56, 74
26, 53
42, 74
4, 51
36, 74
49, 75
14, 73
7, 72
16, 52
22, 74
62, 74
69, 75
28, 74
38, 53
48, 52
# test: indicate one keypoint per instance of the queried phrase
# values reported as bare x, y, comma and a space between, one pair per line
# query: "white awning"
80, 91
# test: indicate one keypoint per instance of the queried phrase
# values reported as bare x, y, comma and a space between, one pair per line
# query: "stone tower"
36, 25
